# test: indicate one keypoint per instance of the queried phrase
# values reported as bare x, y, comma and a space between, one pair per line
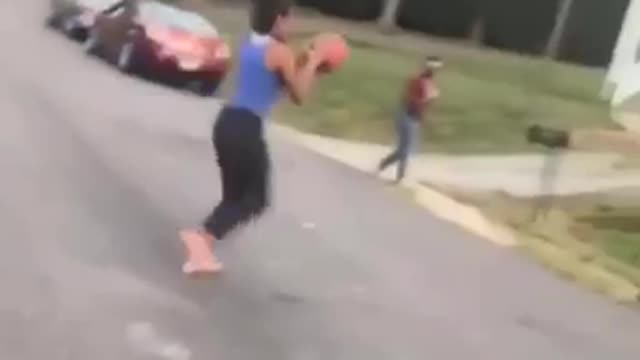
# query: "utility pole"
562, 18
389, 13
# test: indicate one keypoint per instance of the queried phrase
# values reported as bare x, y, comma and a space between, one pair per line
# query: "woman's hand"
312, 56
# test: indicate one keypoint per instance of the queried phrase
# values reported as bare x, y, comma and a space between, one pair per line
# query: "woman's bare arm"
298, 78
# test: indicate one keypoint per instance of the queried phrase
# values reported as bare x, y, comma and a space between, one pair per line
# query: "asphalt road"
101, 170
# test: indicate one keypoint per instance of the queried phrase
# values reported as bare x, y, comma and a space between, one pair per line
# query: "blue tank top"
258, 89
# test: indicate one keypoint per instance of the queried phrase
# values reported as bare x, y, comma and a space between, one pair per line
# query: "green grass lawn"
488, 97
616, 231
486, 103
581, 237
595, 229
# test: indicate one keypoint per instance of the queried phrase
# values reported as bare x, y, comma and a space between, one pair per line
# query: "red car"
152, 38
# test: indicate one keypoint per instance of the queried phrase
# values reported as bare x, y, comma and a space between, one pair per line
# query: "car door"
115, 27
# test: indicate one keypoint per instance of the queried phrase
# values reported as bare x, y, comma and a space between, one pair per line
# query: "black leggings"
245, 168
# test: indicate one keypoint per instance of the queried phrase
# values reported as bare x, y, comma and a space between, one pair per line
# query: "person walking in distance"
267, 67
419, 92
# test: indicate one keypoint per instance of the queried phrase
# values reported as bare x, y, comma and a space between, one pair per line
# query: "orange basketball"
334, 50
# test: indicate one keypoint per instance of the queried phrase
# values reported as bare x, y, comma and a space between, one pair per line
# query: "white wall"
623, 77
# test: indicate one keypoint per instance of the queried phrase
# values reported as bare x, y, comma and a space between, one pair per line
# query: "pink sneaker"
199, 253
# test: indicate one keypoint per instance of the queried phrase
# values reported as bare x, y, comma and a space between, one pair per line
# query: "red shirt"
415, 95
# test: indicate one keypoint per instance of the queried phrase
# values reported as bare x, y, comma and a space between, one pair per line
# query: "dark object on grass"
548, 137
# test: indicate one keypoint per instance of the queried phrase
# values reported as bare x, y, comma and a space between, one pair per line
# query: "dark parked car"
75, 17
161, 40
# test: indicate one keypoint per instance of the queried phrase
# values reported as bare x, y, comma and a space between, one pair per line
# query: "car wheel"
52, 21
208, 88
126, 57
91, 44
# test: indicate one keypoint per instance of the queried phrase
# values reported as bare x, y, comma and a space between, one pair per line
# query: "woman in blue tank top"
267, 68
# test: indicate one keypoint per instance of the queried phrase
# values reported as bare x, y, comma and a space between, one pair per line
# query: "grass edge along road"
576, 238
489, 96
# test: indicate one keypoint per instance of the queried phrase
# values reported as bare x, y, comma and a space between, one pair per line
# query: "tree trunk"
388, 18
477, 31
555, 39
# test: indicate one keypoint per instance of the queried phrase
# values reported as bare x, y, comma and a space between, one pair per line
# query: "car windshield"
97, 4
156, 13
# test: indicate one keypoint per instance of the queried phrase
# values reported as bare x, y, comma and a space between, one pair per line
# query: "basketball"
334, 50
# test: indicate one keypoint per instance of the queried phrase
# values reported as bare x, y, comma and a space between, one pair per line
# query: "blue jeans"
407, 129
